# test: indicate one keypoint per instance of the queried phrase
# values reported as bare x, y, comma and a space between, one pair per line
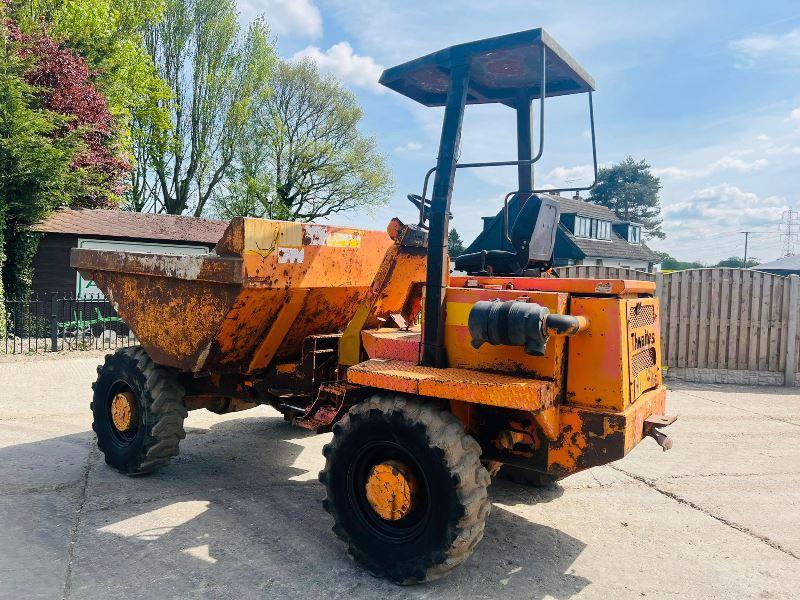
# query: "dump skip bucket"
266, 286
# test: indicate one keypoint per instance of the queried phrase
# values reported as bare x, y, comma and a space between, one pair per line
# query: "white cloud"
737, 164
795, 114
408, 147
726, 163
289, 17
723, 207
753, 47
349, 67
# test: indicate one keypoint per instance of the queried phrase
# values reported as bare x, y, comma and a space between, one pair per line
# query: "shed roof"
125, 224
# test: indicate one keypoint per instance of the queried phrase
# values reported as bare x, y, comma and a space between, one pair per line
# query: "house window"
592, 228
634, 234
583, 227
602, 230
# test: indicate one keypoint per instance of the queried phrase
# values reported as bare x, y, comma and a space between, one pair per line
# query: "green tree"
216, 76
670, 263
455, 245
307, 159
36, 173
108, 34
249, 192
738, 262
632, 192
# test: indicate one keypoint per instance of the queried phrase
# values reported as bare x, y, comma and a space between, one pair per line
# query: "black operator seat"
533, 236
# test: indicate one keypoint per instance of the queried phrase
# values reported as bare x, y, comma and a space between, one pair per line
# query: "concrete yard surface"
238, 514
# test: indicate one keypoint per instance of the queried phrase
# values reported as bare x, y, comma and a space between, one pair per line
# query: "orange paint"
270, 285
465, 385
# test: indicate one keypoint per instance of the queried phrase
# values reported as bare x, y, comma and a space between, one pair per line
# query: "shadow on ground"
238, 515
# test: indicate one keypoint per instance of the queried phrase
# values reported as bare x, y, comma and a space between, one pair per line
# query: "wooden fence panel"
672, 289
714, 318
603, 272
726, 300
772, 356
745, 296
722, 319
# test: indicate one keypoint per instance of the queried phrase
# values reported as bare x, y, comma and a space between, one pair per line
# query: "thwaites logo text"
643, 340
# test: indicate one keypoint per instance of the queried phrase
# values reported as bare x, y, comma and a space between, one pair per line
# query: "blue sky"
707, 92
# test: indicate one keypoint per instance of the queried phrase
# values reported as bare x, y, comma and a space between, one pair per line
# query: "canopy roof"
501, 68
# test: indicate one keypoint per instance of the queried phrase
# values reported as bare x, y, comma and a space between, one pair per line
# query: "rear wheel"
138, 412
406, 488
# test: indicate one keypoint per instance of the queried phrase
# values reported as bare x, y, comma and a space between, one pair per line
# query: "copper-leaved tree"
57, 142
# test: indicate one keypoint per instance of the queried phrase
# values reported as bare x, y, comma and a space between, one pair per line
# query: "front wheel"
138, 412
406, 488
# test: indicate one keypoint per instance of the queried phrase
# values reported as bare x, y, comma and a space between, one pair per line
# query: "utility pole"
746, 239
746, 236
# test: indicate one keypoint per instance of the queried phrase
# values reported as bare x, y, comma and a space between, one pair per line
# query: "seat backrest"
534, 232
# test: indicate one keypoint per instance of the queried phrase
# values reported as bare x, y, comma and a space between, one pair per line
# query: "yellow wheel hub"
391, 490
123, 411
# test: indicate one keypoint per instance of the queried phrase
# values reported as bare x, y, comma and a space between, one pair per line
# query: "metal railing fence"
57, 322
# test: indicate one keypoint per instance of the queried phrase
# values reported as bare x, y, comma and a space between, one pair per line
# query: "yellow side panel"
278, 254
597, 373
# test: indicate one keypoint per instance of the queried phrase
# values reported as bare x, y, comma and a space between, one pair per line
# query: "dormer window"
630, 232
592, 228
583, 227
602, 230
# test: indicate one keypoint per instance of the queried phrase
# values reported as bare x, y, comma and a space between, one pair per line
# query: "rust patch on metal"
455, 384
391, 490
124, 411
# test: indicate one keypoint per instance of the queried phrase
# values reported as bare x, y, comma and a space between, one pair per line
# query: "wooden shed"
112, 230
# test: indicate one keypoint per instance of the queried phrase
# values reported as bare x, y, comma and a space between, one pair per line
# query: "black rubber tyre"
157, 425
525, 476
447, 521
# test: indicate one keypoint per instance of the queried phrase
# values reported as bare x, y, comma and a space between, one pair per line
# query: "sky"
707, 92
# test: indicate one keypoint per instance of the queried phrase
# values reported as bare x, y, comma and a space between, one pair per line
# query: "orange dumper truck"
431, 382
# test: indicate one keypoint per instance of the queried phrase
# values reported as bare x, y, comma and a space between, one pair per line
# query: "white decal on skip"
290, 255
315, 235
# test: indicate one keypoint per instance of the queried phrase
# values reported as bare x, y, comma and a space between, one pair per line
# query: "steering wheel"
417, 201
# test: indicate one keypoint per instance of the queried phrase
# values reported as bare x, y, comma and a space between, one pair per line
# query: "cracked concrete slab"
238, 514
733, 498
34, 536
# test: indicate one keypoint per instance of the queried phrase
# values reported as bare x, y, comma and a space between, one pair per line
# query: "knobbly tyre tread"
161, 404
462, 455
